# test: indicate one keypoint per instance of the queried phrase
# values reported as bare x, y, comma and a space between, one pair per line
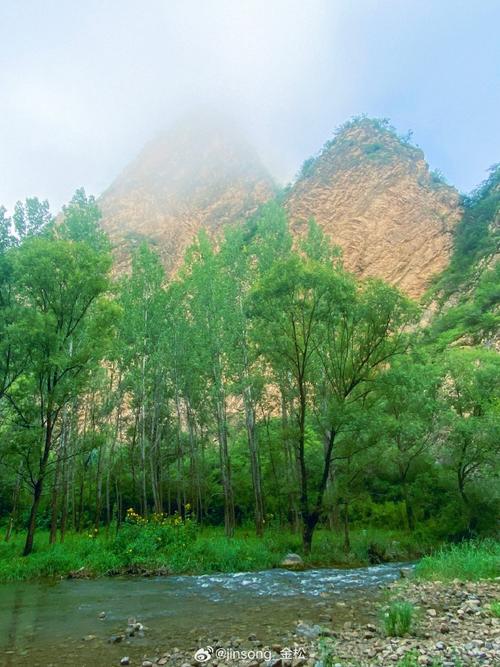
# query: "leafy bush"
141, 539
373, 149
437, 177
387, 514
307, 168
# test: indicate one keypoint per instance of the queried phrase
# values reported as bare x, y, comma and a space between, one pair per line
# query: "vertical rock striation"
373, 194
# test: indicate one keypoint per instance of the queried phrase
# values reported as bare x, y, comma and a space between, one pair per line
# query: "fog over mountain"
86, 85
200, 173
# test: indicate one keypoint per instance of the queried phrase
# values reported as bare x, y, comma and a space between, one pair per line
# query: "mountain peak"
373, 193
200, 173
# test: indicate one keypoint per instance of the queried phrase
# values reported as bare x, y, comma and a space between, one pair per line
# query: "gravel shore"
454, 626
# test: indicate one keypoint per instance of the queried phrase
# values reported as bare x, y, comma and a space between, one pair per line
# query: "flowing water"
44, 624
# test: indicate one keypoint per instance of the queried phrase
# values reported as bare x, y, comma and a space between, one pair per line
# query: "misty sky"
84, 84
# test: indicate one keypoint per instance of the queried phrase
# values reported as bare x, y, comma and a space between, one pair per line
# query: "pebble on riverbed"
292, 562
134, 628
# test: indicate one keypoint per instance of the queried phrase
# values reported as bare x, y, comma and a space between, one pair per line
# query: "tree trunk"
229, 514
78, 526
225, 463
108, 497
292, 472
334, 518
37, 494
253, 443
194, 465
98, 491
53, 502
155, 433
410, 517
461, 487
67, 463
311, 519
465, 498
143, 440
38, 485
64, 506
15, 502
277, 480
307, 520
347, 541
310, 523
119, 509
254, 463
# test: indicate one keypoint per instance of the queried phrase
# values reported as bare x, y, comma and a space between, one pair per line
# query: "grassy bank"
138, 549
468, 561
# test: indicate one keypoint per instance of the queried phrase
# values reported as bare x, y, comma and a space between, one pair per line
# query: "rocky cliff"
199, 174
373, 193
370, 190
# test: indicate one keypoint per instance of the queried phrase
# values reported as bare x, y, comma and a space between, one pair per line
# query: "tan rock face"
370, 192
200, 174
375, 197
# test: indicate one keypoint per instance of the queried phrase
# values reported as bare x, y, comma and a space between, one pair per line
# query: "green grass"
468, 561
327, 653
138, 549
409, 659
398, 619
495, 608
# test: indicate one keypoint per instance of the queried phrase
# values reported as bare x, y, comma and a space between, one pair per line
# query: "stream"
57, 623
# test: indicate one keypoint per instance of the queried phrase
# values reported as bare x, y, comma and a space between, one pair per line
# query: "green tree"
64, 320
287, 304
209, 309
81, 218
410, 410
240, 271
142, 359
363, 327
471, 390
31, 218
